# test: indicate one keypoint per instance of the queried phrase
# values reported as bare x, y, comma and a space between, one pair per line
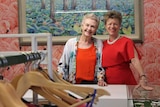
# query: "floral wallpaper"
149, 50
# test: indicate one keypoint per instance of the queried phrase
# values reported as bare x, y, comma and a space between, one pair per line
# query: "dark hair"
113, 15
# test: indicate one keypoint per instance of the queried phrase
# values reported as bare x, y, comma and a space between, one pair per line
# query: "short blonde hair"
91, 16
113, 15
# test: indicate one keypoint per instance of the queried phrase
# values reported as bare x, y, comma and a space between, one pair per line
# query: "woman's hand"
143, 84
100, 78
102, 83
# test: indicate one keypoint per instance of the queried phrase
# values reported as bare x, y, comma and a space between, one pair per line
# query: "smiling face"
113, 21
113, 26
89, 27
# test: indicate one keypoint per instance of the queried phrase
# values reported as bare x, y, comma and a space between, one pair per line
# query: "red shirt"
85, 64
116, 59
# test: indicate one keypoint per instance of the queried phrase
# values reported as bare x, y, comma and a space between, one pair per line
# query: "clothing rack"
34, 55
20, 57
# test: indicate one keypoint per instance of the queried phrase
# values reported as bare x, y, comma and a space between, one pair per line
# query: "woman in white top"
81, 59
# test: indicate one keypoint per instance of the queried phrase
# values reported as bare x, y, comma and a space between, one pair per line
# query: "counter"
121, 96
118, 97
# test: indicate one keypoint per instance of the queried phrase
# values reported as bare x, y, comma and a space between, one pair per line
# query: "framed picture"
62, 18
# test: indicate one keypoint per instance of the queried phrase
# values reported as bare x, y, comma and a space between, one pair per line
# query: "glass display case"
138, 97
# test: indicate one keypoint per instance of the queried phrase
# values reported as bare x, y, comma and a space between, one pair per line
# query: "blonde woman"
80, 62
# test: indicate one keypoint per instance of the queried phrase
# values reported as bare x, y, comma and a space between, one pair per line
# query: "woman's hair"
91, 16
113, 15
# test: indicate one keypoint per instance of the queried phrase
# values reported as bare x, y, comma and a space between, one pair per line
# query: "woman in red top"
118, 53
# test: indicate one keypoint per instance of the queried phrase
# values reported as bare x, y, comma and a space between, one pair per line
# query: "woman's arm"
101, 71
137, 65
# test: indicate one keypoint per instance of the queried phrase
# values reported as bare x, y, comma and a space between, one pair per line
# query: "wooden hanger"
63, 94
45, 93
67, 98
8, 96
50, 97
41, 91
59, 101
15, 80
58, 79
1, 104
36, 79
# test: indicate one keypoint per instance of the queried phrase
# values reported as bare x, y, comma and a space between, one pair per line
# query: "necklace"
112, 42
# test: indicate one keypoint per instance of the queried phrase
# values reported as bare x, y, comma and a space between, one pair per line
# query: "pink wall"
149, 50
